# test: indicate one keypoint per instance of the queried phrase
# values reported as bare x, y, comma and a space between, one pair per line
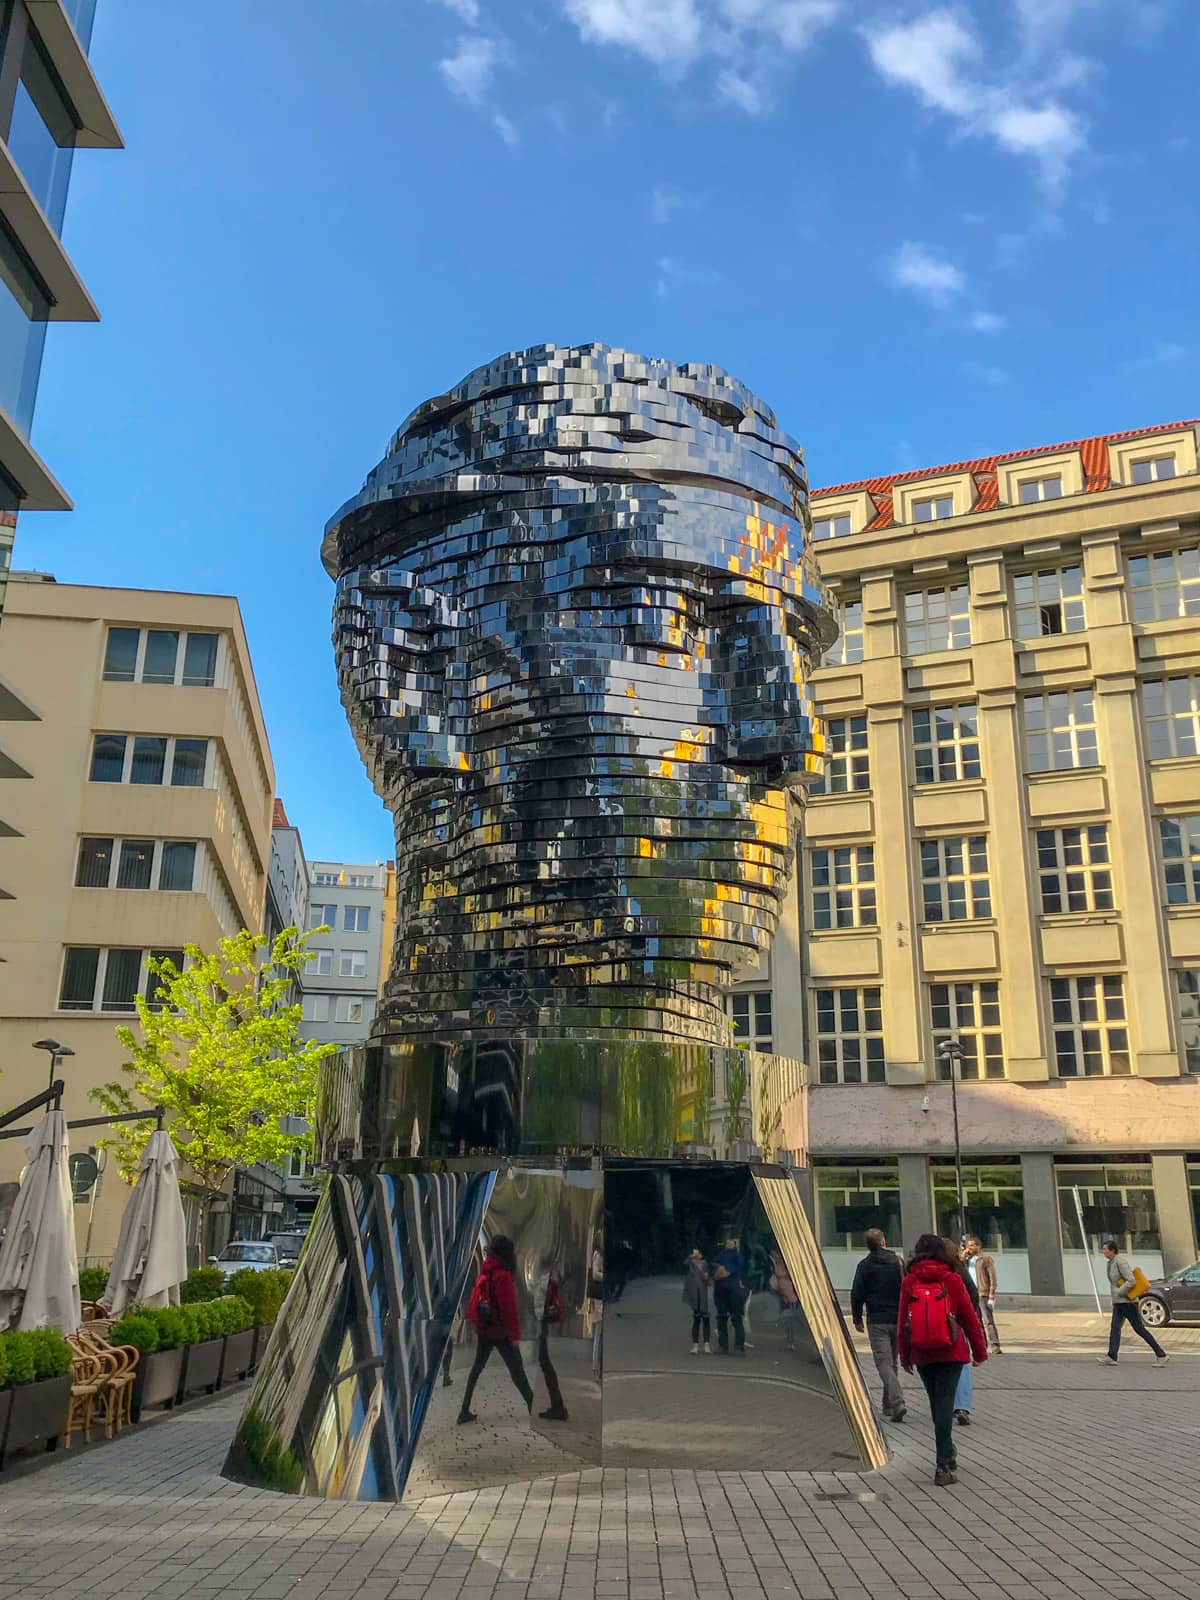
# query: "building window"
350, 1008
1165, 584
168, 864
1117, 1201
146, 759
1073, 869
320, 916
1152, 469
851, 1199
1049, 602
160, 655
315, 1008
847, 765
320, 963
1090, 1036
750, 1014
297, 1164
994, 1198
352, 964
327, 880
1187, 1010
954, 879
934, 508
847, 648
945, 743
1180, 838
1060, 731
937, 619
360, 880
831, 527
970, 1013
355, 919
1030, 490
850, 1036
1172, 707
843, 883
110, 979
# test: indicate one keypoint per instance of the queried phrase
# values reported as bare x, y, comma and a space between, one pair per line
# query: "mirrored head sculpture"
574, 622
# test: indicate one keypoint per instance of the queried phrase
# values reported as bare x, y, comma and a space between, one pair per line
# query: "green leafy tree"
218, 1046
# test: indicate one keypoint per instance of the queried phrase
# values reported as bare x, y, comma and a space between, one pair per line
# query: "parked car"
1172, 1299
257, 1254
288, 1246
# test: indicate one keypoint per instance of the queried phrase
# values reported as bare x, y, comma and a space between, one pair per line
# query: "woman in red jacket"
939, 1332
492, 1311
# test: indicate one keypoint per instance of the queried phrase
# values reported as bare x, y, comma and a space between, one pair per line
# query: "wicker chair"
114, 1400
87, 1380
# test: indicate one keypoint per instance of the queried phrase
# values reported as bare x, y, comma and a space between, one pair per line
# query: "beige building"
135, 800
1005, 852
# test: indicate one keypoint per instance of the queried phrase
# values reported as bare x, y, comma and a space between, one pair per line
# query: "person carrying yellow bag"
1127, 1284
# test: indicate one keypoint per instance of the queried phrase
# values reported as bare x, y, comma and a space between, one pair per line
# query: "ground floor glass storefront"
849, 1199
994, 1200
1116, 1201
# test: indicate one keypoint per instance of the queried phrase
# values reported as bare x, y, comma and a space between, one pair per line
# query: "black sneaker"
555, 1414
963, 1418
467, 1416
944, 1477
899, 1416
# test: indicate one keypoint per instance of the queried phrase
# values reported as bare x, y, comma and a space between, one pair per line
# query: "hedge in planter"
182, 1346
265, 1291
202, 1283
92, 1282
35, 1385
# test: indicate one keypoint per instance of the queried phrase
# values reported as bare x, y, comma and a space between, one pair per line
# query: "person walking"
937, 1332
964, 1393
982, 1268
729, 1297
696, 1282
876, 1293
1125, 1309
492, 1312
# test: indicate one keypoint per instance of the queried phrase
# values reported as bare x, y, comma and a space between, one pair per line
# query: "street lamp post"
56, 1052
950, 1051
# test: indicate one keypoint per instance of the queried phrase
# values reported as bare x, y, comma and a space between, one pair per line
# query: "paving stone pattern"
1077, 1482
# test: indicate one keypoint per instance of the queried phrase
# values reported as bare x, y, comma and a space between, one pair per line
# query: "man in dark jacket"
876, 1291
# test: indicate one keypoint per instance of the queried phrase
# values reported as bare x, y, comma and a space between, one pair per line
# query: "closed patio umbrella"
39, 1278
150, 1261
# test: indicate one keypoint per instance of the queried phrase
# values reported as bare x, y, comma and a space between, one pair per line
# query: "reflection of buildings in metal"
353, 1400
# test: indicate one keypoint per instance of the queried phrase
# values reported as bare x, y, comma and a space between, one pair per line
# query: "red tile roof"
1093, 452
279, 815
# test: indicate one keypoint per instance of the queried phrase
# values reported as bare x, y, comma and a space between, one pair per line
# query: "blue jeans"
1126, 1311
964, 1393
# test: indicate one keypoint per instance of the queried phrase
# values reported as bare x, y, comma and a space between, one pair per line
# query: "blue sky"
922, 232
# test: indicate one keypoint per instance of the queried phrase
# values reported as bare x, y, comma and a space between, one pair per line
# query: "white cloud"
737, 90
745, 37
506, 129
668, 201
988, 322
470, 70
933, 277
668, 33
467, 10
940, 60
675, 274
1162, 353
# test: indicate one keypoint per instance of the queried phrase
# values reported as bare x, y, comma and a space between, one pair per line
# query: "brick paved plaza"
1075, 1481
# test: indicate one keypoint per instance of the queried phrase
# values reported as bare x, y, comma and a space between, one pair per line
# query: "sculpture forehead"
583, 438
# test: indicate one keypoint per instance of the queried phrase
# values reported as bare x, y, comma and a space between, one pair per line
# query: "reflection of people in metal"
696, 1282
729, 1297
553, 1311
781, 1284
620, 1259
492, 1311
596, 1302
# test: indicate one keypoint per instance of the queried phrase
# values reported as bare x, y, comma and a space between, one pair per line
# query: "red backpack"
932, 1326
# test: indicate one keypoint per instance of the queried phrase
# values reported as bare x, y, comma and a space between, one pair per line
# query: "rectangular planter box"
156, 1382
5, 1407
239, 1353
201, 1367
37, 1414
262, 1338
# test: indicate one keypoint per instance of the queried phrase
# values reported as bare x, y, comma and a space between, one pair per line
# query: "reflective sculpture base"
376, 1387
